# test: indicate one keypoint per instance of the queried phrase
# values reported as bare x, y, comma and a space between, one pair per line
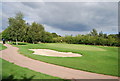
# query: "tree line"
19, 30
91, 39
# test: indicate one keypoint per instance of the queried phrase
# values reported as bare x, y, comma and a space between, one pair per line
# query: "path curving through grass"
97, 59
50, 69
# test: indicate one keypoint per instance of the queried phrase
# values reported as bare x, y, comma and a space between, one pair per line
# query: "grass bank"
12, 71
2, 47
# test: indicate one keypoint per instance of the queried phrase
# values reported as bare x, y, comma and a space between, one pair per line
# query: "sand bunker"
47, 52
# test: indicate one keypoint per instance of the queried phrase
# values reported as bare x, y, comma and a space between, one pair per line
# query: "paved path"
11, 54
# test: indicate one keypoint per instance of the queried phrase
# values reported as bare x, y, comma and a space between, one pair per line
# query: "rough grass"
97, 59
10, 69
2, 47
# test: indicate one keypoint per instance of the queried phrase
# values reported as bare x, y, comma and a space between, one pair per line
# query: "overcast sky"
66, 18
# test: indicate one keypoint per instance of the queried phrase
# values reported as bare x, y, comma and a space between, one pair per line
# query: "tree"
105, 36
94, 32
110, 40
6, 34
16, 25
54, 35
101, 34
24, 33
19, 16
0, 36
36, 32
47, 37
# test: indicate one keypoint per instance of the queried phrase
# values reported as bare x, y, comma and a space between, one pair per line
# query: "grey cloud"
68, 16
71, 26
34, 5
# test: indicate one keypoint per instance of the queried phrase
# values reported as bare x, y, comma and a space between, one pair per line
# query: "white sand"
47, 52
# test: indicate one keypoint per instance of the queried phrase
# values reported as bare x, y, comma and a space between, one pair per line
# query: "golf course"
102, 64
62, 41
14, 72
97, 59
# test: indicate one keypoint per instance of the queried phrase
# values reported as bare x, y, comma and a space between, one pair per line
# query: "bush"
14, 43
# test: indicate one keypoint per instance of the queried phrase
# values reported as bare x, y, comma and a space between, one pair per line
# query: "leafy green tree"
105, 36
24, 33
110, 40
35, 32
1, 36
47, 37
6, 34
58, 39
54, 35
94, 32
16, 24
101, 34
69, 39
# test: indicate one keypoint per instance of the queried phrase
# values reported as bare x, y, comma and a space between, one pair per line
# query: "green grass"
2, 47
10, 69
97, 59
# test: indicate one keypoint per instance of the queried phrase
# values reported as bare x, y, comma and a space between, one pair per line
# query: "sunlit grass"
10, 69
2, 47
97, 59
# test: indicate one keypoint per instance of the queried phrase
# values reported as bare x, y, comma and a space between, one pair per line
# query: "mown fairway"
98, 59
2, 47
12, 71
